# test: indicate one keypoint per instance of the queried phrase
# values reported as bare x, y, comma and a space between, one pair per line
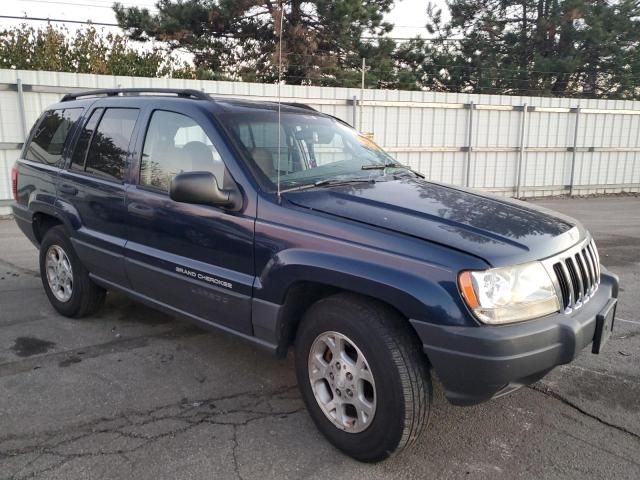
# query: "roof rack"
114, 92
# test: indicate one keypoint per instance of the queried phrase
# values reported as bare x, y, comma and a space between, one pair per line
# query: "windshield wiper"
330, 182
384, 166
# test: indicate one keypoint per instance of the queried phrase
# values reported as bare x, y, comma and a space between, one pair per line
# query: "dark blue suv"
286, 227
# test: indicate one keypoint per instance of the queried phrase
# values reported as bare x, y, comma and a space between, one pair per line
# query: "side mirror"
202, 188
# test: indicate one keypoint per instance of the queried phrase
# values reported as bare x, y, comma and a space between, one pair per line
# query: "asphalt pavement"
131, 393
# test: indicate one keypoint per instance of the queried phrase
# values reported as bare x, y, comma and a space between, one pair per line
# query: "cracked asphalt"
132, 393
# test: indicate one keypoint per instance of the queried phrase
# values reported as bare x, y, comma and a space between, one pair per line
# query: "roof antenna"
279, 83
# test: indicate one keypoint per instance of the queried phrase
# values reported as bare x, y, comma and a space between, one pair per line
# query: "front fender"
417, 290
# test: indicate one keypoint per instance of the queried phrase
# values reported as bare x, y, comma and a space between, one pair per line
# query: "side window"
261, 140
80, 152
176, 143
49, 137
107, 155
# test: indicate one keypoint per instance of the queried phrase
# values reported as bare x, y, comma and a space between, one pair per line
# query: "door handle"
136, 207
68, 189
141, 210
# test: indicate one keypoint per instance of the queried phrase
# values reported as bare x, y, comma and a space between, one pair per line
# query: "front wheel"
362, 376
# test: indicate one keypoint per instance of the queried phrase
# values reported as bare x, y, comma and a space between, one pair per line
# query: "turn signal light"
466, 288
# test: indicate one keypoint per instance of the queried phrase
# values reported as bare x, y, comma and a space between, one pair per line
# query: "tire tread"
91, 296
404, 350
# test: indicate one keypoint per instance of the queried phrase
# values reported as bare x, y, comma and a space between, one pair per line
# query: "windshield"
313, 148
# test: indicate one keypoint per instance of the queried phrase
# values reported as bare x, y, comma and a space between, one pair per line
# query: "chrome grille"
577, 275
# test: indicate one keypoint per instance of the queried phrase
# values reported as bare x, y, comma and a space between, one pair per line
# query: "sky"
409, 16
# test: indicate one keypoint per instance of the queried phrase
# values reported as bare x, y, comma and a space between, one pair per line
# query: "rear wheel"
362, 376
65, 280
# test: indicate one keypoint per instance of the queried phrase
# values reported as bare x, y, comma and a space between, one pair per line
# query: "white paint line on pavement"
596, 372
628, 321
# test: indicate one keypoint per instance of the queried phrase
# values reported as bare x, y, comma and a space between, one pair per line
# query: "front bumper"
475, 364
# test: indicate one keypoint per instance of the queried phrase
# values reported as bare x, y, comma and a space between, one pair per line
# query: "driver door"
195, 259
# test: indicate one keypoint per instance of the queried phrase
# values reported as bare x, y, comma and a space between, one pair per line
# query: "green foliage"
85, 51
576, 48
239, 39
532, 47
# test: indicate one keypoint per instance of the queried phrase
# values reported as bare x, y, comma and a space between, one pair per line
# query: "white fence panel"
481, 141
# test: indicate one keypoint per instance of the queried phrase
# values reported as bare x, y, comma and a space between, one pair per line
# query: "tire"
77, 297
398, 398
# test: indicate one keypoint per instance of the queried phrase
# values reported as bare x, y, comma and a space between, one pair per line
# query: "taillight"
14, 182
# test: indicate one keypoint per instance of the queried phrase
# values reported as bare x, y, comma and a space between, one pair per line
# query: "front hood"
500, 231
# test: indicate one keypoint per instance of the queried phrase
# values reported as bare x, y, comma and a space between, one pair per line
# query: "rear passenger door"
91, 191
195, 259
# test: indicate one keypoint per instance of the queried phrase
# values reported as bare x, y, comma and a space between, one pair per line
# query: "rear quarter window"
50, 135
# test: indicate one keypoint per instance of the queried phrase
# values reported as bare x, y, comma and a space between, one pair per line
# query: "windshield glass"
313, 148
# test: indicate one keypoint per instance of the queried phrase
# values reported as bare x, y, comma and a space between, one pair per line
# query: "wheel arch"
42, 222
291, 288
296, 307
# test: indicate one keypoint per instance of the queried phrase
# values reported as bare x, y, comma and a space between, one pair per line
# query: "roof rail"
299, 105
309, 107
344, 122
114, 92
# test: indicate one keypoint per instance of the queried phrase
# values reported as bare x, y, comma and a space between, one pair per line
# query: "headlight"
510, 294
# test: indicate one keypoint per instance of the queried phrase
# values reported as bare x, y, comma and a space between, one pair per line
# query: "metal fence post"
523, 129
364, 65
573, 153
23, 119
355, 106
469, 147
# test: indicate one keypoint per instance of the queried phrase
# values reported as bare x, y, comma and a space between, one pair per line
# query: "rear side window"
107, 133
80, 152
47, 142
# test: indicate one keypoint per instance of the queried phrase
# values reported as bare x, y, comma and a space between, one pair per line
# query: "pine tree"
532, 47
238, 39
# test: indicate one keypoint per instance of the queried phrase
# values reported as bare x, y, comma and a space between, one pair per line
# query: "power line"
150, 3
69, 3
109, 6
511, 79
406, 39
57, 20
92, 5
105, 24
330, 54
